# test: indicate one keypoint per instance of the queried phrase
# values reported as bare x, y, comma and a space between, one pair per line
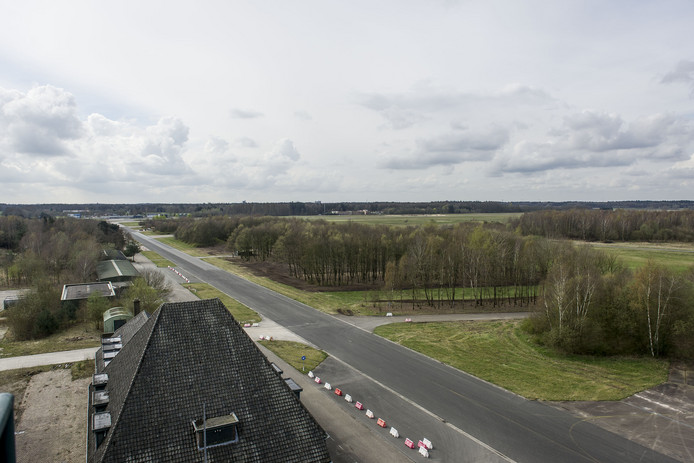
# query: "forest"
584, 300
43, 254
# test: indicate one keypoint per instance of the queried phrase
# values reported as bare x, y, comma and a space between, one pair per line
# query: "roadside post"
303, 362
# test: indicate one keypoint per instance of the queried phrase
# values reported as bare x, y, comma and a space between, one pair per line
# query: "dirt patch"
52, 425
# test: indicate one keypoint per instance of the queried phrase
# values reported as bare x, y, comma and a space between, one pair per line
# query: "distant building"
81, 291
116, 270
189, 385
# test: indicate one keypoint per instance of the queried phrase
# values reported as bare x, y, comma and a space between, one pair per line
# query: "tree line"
609, 225
586, 301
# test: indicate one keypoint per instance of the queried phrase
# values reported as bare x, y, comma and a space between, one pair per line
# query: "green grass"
678, 257
158, 260
131, 224
316, 300
291, 352
241, 313
405, 220
183, 246
79, 336
501, 353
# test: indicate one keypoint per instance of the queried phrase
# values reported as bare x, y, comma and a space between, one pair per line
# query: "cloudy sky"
305, 100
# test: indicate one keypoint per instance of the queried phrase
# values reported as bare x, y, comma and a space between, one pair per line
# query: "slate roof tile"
191, 355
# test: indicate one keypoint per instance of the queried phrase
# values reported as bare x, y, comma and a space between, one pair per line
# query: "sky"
319, 100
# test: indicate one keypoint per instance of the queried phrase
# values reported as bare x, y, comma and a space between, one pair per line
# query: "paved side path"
51, 358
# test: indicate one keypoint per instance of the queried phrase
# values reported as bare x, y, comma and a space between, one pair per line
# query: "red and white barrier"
338, 391
317, 380
381, 422
359, 406
409, 443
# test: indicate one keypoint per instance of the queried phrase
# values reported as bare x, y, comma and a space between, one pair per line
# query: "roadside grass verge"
78, 336
679, 257
320, 301
183, 246
241, 313
158, 260
291, 352
501, 353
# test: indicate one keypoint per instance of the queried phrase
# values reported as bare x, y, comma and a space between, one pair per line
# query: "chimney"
136, 307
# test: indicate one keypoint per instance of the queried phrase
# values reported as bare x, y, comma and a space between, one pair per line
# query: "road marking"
428, 412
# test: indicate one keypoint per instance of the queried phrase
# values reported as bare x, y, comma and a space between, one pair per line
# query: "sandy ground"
52, 428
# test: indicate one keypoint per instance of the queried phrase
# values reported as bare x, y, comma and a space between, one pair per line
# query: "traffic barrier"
262, 336
310, 374
255, 325
328, 386
408, 319
359, 406
424, 452
369, 414
389, 314
348, 398
409, 443
427, 443
246, 325
317, 380
394, 432
381, 423
338, 391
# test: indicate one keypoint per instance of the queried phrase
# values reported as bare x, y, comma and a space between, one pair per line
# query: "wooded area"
586, 301
44, 254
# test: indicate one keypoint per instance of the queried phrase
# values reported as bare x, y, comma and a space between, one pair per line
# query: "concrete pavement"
51, 358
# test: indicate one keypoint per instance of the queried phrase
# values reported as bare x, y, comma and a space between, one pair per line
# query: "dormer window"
216, 431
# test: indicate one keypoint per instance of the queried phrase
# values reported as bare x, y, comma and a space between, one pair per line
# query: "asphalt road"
517, 429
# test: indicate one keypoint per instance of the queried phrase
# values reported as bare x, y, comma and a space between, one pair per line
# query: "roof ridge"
155, 317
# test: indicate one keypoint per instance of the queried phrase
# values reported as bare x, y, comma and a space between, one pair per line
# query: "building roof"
186, 358
115, 270
84, 290
124, 333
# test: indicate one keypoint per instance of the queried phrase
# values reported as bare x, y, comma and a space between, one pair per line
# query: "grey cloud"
163, 146
246, 142
403, 110
451, 149
39, 122
591, 139
684, 73
304, 115
216, 146
237, 113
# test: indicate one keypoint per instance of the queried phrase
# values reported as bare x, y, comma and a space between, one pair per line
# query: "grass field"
501, 353
158, 260
183, 246
79, 336
241, 313
291, 352
677, 256
404, 220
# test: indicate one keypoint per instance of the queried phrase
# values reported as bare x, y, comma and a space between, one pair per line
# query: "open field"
404, 220
501, 353
677, 256
241, 313
183, 246
158, 260
291, 352
79, 336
